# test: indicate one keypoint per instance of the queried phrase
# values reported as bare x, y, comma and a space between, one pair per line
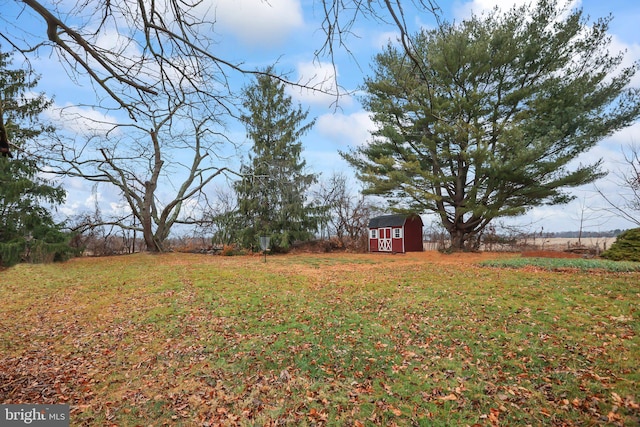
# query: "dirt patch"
448, 259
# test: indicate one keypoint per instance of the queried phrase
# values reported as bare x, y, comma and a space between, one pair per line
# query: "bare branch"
175, 48
627, 204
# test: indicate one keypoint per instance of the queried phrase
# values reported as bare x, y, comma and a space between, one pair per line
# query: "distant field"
422, 339
564, 242
555, 244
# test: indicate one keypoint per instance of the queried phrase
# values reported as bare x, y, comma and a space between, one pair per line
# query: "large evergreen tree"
272, 193
27, 228
483, 119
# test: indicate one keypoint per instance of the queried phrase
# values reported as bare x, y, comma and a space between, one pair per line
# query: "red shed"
395, 233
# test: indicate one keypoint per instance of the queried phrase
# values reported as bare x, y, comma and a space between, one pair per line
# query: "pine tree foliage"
27, 229
489, 123
272, 195
626, 247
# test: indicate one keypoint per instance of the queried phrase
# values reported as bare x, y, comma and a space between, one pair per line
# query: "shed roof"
396, 220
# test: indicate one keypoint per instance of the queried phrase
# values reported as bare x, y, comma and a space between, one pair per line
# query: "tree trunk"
462, 240
457, 240
147, 233
146, 220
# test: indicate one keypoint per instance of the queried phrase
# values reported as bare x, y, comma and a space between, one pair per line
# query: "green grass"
565, 263
320, 340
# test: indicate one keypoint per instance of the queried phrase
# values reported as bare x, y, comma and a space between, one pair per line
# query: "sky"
286, 33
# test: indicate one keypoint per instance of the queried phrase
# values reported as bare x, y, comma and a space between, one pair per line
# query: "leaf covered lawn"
349, 340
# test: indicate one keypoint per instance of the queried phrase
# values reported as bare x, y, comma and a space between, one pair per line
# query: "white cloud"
94, 197
626, 136
191, 209
120, 208
320, 78
75, 184
346, 130
83, 196
81, 120
382, 40
327, 162
68, 209
110, 39
257, 22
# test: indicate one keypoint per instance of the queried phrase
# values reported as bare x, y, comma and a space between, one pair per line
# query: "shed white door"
384, 240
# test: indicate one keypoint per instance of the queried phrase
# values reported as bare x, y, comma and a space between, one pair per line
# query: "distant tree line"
583, 234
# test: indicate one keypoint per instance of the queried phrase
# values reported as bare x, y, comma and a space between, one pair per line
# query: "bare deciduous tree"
627, 180
347, 213
221, 219
176, 149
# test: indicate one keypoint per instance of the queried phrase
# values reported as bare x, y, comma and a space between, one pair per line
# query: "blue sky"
286, 32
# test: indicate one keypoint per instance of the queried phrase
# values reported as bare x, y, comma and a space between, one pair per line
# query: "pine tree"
27, 228
483, 119
272, 193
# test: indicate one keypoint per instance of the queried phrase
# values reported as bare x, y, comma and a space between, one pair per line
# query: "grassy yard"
337, 340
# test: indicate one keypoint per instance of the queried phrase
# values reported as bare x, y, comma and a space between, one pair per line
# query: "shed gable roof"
387, 221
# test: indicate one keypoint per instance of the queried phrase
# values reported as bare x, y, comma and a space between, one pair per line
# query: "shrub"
11, 252
626, 247
46, 245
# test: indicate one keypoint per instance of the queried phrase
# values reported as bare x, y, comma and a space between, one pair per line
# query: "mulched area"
551, 254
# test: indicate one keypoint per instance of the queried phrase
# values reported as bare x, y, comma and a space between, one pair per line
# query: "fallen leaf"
449, 397
397, 412
285, 376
